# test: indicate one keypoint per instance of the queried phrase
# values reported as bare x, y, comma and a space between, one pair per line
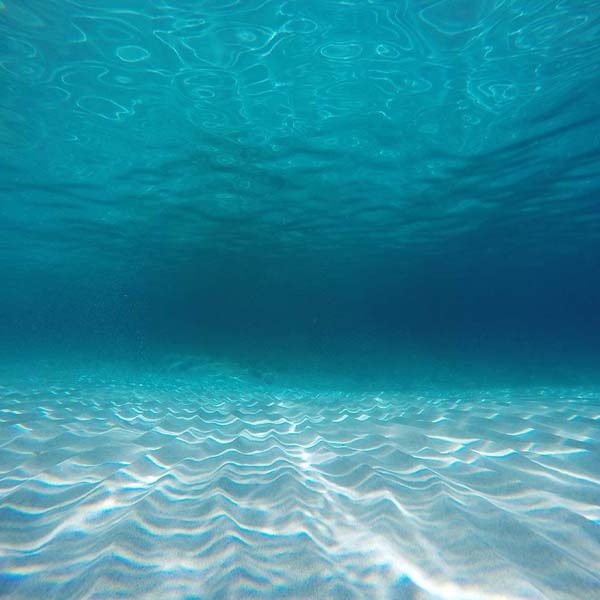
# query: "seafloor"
217, 484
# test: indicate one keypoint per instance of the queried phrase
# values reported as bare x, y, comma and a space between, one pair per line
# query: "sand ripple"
221, 489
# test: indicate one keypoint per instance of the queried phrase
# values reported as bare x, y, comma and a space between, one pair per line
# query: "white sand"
217, 489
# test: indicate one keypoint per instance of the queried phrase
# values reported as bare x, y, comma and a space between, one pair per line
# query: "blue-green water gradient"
406, 174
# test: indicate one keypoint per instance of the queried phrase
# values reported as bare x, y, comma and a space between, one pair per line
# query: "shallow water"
213, 487
299, 299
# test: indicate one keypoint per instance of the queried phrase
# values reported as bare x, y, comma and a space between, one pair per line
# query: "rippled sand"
218, 488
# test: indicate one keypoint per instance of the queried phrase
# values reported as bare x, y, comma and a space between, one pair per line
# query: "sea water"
299, 299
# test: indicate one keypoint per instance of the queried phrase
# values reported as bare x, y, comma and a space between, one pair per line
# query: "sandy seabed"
224, 488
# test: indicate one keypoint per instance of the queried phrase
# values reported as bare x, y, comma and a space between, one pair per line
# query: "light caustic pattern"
290, 126
212, 489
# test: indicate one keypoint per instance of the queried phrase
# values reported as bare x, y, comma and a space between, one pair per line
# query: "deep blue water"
312, 195
302, 173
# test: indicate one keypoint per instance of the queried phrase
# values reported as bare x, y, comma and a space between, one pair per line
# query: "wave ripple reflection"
213, 489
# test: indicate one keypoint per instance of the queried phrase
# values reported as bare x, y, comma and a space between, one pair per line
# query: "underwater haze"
300, 299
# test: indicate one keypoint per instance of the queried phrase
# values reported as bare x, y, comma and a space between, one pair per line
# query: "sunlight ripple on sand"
227, 489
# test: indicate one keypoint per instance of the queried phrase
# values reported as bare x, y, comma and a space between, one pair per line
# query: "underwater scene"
300, 299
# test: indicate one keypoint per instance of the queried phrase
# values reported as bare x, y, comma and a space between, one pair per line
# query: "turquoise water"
299, 299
